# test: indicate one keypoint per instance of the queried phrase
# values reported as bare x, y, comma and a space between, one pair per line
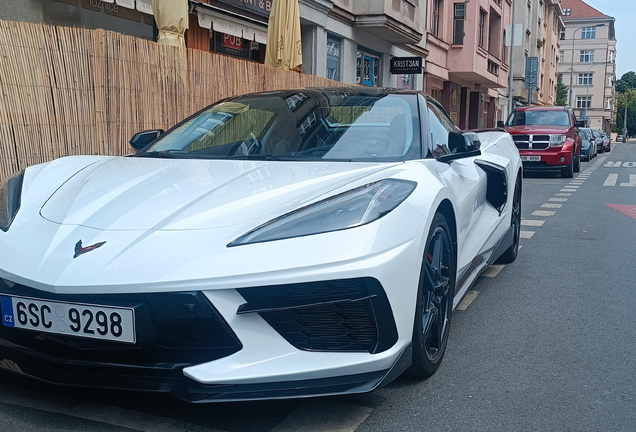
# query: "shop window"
367, 69
236, 46
406, 82
333, 57
94, 14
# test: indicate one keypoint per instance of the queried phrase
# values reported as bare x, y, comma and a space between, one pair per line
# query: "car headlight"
557, 140
350, 209
10, 198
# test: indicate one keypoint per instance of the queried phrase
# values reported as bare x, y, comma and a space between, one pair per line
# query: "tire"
434, 305
577, 164
600, 150
511, 253
569, 171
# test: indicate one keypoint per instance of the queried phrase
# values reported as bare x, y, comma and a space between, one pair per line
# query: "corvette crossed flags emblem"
79, 250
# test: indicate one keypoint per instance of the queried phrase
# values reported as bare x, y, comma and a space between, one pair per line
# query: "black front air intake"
173, 330
352, 315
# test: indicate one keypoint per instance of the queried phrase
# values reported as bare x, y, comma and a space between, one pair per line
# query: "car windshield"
540, 118
299, 125
585, 133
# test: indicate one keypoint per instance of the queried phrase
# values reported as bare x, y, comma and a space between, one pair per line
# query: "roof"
581, 10
542, 108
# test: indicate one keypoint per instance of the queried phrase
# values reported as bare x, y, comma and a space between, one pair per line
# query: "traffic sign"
532, 73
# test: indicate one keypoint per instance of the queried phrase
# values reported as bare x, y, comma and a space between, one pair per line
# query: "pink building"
467, 60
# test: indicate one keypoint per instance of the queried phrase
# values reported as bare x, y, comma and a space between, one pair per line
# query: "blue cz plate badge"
6, 304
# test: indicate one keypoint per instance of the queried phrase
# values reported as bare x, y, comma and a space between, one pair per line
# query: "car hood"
131, 193
537, 129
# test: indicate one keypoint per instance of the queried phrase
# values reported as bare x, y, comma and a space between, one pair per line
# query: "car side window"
439, 126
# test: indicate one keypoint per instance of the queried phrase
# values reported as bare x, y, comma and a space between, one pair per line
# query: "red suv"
547, 138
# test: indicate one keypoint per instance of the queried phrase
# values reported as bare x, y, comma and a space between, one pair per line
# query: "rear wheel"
434, 301
511, 253
568, 172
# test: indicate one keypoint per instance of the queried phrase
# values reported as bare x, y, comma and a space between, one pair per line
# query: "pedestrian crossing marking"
611, 180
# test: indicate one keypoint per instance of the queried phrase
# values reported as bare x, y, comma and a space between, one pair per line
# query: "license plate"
531, 158
71, 319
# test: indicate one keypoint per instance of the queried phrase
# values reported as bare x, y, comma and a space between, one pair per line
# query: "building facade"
588, 63
351, 41
542, 22
467, 59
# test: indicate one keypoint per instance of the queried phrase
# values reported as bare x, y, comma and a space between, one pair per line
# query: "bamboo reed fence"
69, 91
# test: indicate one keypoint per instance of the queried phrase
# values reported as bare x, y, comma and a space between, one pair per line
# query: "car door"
467, 182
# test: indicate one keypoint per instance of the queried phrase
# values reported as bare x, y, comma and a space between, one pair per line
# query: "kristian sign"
406, 65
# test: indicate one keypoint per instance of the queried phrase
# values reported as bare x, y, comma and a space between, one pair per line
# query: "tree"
626, 83
562, 92
629, 98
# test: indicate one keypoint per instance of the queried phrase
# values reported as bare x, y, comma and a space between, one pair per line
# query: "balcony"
395, 21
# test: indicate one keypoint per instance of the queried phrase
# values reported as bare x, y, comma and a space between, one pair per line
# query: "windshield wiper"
168, 154
262, 156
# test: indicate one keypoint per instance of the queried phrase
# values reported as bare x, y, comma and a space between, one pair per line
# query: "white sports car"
274, 245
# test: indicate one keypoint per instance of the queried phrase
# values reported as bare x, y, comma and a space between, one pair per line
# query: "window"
562, 34
611, 56
458, 23
610, 80
531, 118
440, 125
586, 56
333, 57
435, 18
367, 69
436, 94
567, 12
405, 81
561, 56
588, 33
528, 15
494, 34
584, 101
585, 79
482, 27
610, 104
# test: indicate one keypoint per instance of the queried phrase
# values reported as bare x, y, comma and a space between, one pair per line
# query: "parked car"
598, 140
607, 142
620, 138
547, 138
273, 245
588, 144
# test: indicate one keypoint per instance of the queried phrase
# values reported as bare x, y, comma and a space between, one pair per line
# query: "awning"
232, 27
129, 4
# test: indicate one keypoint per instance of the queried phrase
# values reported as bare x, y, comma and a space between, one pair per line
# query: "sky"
625, 13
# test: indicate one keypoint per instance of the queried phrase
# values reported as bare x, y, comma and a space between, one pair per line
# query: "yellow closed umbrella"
172, 21
284, 47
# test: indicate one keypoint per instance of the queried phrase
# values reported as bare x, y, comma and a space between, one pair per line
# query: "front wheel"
515, 224
577, 164
434, 305
568, 172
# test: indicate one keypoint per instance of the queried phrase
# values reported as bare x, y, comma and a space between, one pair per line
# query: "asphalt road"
546, 344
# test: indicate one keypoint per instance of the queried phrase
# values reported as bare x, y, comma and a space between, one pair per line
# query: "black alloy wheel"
435, 301
515, 224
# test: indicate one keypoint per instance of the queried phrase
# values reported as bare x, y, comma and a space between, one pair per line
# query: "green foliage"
626, 83
562, 93
629, 98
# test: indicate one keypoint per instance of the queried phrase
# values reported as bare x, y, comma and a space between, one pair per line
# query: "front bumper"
339, 319
550, 160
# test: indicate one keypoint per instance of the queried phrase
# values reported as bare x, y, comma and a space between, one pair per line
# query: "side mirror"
461, 145
579, 123
142, 139
500, 124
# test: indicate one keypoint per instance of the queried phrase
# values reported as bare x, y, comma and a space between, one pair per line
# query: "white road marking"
530, 222
629, 165
520, 247
551, 205
321, 415
563, 194
611, 180
632, 181
468, 299
613, 164
543, 213
95, 412
558, 199
573, 186
568, 190
493, 270
526, 234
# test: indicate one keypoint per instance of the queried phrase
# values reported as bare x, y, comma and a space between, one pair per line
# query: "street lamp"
572, 62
